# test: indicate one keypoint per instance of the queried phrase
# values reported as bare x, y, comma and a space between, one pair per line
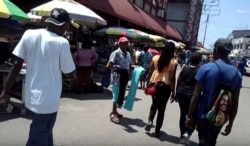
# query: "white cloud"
241, 11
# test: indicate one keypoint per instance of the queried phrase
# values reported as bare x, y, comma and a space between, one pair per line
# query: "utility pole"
211, 9
205, 33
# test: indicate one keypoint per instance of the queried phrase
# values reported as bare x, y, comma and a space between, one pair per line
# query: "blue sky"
233, 15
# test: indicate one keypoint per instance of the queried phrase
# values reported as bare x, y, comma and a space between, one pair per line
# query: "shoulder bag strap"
218, 68
221, 72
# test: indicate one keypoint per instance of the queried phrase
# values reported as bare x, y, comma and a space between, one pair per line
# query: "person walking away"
120, 63
162, 64
204, 58
184, 90
182, 58
241, 65
85, 59
131, 50
145, 58
137, 54
209, 78
47, 56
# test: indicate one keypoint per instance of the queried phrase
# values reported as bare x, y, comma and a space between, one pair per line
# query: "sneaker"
185, 139
148, 126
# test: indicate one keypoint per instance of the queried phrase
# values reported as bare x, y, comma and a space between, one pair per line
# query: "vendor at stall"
84, 59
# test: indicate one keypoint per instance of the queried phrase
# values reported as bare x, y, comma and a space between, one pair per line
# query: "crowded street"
83, 120
124, 73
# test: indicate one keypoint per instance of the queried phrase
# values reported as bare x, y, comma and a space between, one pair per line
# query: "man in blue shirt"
209, 77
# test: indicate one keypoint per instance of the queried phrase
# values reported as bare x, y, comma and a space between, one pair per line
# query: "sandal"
118, 115
115, 119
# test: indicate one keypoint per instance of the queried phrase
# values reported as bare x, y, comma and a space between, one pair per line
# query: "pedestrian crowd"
207, 93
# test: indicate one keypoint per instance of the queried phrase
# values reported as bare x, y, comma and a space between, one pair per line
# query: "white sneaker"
185, 139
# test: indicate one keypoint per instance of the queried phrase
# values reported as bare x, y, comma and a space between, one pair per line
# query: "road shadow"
169, 138
107, 94
16, 113
127, 123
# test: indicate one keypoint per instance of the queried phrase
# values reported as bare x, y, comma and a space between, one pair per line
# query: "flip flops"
115, 119
119, 115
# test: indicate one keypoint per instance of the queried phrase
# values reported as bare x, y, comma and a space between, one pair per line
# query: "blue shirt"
210, 76
146, 58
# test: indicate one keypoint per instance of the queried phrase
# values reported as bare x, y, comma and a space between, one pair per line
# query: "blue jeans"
41, 130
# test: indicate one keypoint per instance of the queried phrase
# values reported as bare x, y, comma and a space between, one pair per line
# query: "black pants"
159, 103
124, 77
207, 133
184, 102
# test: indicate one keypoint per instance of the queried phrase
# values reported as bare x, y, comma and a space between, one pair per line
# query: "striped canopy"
113, 31
138, 34
77, 12
157, 38
10, 10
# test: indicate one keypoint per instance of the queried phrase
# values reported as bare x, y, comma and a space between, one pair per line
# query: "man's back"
47, 56
211, 76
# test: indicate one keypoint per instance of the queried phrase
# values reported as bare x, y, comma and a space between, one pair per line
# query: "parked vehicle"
247, 68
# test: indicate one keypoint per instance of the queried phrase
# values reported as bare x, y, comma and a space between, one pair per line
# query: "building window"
161, 13
248, 47
139, 3
160, 3
147, 7
153, 11
153, 2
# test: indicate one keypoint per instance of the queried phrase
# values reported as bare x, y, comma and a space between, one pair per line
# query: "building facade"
184, 15
238, 33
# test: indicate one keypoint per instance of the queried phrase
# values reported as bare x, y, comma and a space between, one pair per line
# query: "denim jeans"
41, 130
207, 133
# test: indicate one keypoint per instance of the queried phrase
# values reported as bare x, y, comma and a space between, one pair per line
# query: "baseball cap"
122, 40
58, 17
224, 44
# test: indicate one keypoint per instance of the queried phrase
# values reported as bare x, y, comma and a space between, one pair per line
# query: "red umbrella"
153, 52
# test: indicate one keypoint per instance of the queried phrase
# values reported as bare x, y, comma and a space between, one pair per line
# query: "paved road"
84, 121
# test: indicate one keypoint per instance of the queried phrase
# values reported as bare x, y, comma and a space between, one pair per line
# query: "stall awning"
119, 8
130, 12
173, 33
152, 23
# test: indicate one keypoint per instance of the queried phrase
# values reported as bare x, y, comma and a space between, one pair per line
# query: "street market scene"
124, 72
